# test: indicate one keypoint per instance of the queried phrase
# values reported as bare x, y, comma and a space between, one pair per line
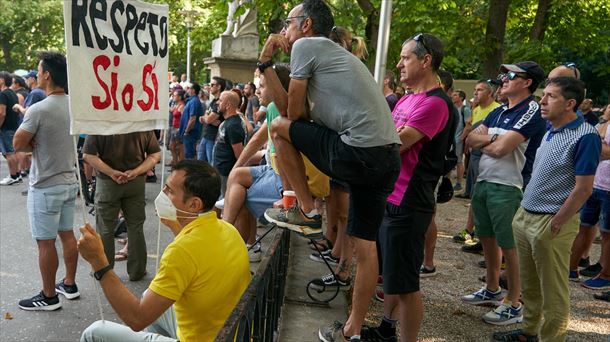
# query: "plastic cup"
289, 199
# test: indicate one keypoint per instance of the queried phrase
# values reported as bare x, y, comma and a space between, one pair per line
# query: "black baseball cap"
527, 67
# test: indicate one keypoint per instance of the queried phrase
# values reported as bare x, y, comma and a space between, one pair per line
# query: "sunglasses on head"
511, 75
421, 39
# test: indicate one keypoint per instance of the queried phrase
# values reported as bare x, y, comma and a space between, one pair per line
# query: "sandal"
120, 256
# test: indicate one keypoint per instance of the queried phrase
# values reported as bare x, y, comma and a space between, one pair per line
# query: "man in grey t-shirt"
45, 132
335, 114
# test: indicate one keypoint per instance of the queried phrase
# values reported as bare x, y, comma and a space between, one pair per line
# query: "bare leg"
583, 241
605, 256
239, 181
12, 162
470, 222
364, 284
460, 172
291, 163
244, 223
512, 273
48, 263
343, 242
493, 259
411, 315
430, 243
70, 252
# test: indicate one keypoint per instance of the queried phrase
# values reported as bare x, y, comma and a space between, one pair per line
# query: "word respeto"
86, 14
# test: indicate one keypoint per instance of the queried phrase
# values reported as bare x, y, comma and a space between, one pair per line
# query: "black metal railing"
256, 315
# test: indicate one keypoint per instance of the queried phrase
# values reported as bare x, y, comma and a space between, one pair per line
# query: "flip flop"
120, 256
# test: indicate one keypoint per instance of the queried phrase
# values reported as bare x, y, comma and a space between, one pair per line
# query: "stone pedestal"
233, 58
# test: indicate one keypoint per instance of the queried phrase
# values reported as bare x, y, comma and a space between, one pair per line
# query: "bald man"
567, 70
231, 136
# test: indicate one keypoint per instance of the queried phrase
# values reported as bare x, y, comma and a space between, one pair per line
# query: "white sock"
310, 214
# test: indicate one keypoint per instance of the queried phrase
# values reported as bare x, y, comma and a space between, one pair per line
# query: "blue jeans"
206, 149
190, 144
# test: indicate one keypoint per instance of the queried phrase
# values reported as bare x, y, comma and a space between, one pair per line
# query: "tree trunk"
494, 36
372, 24
6, 49
539, 26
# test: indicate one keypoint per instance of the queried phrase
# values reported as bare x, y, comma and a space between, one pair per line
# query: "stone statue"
245, 24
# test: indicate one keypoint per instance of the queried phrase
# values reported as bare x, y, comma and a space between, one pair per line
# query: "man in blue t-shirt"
190, 127
504, 137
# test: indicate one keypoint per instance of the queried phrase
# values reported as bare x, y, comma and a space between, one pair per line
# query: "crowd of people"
372, 158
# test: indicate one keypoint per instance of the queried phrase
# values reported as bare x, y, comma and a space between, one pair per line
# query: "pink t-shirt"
428, 113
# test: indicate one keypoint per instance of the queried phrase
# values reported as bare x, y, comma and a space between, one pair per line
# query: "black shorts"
370, 172
402, 237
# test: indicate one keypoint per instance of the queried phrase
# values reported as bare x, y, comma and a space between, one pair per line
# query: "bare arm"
408, 137
605, 151
253, 146
2, 114
478, 138
148, 163
237, 149
190, 124
504, 144
297, 93
137, 314
274, 43
23, 141
98, 164
581, 192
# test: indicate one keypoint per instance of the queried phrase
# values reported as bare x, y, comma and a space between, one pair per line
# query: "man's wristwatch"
262, 66
493, 138
100, 273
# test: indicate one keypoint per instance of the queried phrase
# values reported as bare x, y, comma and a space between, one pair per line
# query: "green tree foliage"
572, 30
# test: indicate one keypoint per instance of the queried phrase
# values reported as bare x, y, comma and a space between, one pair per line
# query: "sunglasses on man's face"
511, 75
288, 20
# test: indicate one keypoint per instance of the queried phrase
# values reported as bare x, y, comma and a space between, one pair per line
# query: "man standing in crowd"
253, 102
352, 138
53, 187
465, 114
547, 221
9, 122
190, 126
212, 119
231, 137
503, 138
587, 112
122, 161
426, 122
202, 273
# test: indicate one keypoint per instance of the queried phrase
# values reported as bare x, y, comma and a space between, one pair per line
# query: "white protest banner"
117, 55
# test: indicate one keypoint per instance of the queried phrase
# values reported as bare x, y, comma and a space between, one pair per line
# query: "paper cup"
289, 199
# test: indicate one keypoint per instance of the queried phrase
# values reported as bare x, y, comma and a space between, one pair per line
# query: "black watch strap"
493, 138
262, 66
100, 273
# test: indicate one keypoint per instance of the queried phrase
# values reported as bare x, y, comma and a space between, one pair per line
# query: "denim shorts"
51, 210
265, 190
596, 210
6, 141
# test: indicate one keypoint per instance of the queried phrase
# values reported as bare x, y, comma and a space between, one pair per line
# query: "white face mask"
166, 209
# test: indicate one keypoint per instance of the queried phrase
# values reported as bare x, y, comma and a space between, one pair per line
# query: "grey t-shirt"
53, 160
341, 93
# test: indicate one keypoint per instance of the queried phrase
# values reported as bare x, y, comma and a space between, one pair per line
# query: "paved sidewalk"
301, 318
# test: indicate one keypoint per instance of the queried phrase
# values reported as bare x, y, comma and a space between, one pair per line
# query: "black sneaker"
69, 291
425, 272
591, 271
329, 281
584, 263
40, 302
372, 334
325, 255
477, 248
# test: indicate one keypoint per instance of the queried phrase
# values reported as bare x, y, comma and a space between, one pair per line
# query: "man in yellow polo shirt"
202, 274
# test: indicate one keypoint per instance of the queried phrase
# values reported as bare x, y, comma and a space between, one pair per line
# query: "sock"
15, 176
387, 327
311, 214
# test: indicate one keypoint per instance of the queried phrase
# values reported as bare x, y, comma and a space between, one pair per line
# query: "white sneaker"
220, 204
255, 254
8, 180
